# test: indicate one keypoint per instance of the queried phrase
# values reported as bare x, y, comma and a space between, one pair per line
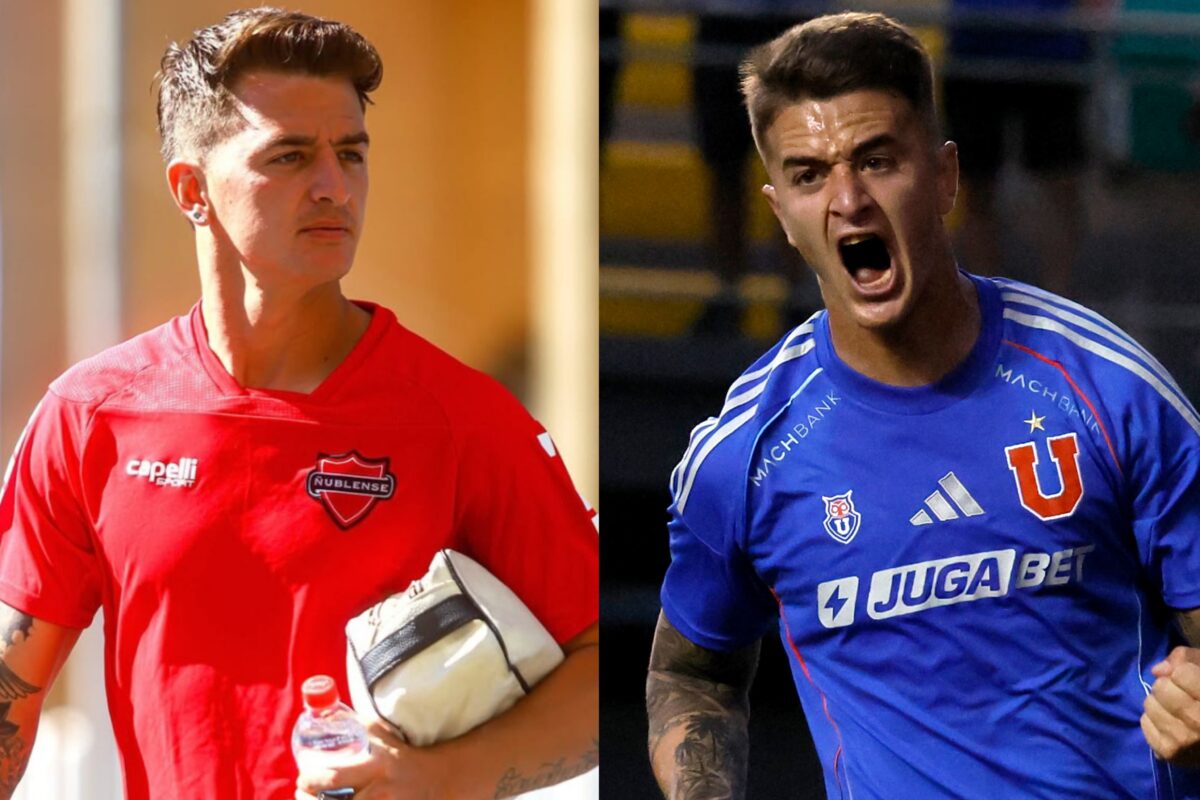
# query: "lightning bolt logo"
835, 602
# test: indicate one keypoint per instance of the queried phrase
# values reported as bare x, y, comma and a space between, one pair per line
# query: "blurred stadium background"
481, 228
666, 360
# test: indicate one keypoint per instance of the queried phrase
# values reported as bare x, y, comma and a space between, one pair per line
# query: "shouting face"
860, 188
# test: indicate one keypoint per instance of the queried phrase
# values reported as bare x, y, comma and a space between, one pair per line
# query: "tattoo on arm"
14, 755
14, 750
12, 688
698, 702
513, 782
18, 630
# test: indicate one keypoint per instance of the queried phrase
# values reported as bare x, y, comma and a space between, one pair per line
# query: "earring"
198, 215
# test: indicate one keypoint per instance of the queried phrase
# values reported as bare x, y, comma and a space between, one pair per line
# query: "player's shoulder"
1063, 332
719, 447
98, 378
460, 394
772, 379
1093, 353
1062, 329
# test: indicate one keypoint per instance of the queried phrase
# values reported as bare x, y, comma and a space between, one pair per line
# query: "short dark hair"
832, 55
195, 81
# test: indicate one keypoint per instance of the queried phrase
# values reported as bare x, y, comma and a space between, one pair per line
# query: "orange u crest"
1064, 452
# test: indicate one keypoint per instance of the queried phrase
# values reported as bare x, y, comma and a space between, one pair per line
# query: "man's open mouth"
865, 257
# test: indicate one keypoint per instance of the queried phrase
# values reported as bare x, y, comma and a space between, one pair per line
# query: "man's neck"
282, 340
936, 337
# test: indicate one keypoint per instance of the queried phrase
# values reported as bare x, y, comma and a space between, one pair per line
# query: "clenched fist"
1171, 721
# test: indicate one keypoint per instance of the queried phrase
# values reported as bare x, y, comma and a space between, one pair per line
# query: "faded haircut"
832, 55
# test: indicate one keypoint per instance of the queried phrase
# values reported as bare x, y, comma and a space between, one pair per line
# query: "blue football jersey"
971, 579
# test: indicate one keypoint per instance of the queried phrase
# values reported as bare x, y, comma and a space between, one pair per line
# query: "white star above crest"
1035, 422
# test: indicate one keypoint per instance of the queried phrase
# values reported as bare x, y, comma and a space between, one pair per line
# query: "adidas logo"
944, 509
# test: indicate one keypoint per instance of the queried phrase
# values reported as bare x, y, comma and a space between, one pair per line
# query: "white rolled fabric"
447, 654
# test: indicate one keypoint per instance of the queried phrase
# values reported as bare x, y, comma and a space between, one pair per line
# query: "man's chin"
327, 266
881, 317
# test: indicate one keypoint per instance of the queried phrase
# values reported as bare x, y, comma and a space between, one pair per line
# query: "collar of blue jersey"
954, 386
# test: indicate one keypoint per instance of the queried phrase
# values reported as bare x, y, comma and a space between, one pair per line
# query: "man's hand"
550, 735
394, 770
1171, 722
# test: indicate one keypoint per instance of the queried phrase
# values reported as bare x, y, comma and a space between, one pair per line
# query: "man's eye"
876, 163
804, 177
287, 158
353, 155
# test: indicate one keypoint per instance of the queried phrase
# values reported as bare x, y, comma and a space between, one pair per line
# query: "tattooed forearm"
14, 749
698, 707
14, 755
708, 734
31, 653
514, 783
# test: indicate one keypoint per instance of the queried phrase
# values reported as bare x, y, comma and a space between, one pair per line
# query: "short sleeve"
518, 514
48, 561
1164, 481
713, 598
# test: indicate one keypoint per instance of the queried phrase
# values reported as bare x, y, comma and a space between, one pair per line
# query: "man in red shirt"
185, 480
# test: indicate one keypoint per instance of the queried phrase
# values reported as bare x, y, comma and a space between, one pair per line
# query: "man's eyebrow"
803, 161
294, 140
875, 142
353, 138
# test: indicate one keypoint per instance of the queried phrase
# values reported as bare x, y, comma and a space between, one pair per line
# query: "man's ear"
768, 191
773, 201
185, 179
947, 165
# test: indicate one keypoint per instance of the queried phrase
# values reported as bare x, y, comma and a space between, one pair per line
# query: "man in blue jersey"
968, 505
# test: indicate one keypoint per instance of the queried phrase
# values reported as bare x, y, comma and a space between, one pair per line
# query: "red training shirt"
230, 533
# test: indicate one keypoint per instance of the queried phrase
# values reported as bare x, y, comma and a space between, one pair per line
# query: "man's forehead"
840, 121
272, 101
259, 84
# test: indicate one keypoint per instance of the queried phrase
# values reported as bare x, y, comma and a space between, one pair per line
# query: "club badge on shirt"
1067, 491
349, 485
841, 518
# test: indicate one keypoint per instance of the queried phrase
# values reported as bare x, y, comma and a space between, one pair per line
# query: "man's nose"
850, 195
329, 181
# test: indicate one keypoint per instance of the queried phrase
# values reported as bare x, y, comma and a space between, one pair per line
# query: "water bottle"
327, 734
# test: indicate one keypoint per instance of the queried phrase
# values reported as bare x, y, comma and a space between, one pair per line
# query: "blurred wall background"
461, 241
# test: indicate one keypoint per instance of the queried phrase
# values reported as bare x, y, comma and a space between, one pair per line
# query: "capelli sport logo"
349, 485
179, 474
